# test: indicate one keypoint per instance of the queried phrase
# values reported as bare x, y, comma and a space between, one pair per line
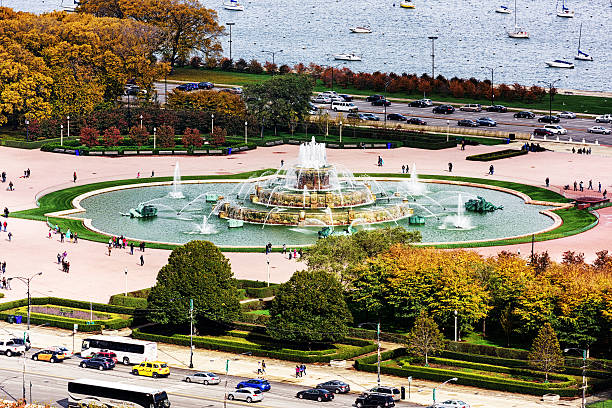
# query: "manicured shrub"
89, 136
165, 136
500, 154
128, 301
218, 136
139, 135
112, 136
255, 67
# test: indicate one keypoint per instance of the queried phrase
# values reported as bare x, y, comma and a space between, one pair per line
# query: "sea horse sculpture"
481, 205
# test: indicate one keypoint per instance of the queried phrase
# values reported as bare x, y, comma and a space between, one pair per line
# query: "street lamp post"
61, 135
212, 122
27, 282
378, 347
245, 131
154, 137
273, 54
125, 272
550, 86
230, 40
141, 121
434, 390
191, 333
492, 87
433, 39
268, 266
455, 325
27, 123
68, 120
385, 105
340, 132
584, 380
447, 128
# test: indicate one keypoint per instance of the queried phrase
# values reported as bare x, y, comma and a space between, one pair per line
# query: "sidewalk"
284, 371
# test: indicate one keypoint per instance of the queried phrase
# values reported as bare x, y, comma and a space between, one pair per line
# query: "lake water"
471, 35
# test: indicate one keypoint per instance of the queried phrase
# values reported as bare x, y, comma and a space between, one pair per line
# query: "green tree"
545, 352
279, 99
425, 337
198, 271
309, 308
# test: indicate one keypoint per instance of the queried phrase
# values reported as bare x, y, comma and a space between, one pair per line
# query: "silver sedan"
247, 394
203, 378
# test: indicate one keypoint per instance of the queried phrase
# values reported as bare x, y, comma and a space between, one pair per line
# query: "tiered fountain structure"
312, 192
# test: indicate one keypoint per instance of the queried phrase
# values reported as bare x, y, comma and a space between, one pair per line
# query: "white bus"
128, 351
85, 393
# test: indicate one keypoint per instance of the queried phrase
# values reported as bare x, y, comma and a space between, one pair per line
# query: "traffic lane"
181, 393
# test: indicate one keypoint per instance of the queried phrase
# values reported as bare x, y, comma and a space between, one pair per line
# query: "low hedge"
236, 347
128, 301
1, 295
485, 350
253, 318
474, 380
500, 154
371, 335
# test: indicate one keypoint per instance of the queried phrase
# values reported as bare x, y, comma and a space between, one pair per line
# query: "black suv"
416, 121
524, 115
445, 109
381, 102
396, 116
497, 108
374, 400
335, 386
418, 104
467, 122
549, 119
373, 98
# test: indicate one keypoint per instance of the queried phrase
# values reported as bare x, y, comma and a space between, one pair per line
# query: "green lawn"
575, 103
601, 404
264, 312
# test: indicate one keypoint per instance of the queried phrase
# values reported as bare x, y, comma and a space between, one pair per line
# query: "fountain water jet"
176, 184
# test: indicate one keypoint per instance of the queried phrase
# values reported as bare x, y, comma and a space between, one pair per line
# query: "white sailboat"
560, 64
347, 57
582, 56
565, 12
233, 5
503, 10
518, 32
361, 30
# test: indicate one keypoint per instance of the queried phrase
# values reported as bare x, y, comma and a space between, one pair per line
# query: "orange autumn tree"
223, 103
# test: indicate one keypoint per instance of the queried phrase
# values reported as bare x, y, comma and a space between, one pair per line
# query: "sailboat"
518, 32
407, 4
565, 12
233, 5
582, 56
503, 10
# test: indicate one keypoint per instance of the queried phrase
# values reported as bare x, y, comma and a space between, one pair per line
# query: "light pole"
154, 137
385, 105
61, 135
27, 282
268, 262
245, 131
27, 123
492, 87
455, 325
273, 54
550, 86
141, 121
230, 41
126, 291
584, 380
378, 348
447, 128
433, 39
191, 333
68, 119
434, 390
212, 122
248, 353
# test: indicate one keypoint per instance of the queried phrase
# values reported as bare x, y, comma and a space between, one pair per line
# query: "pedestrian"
6, 212
152, 173
138, 175
61, 237
547, 182
10, 186
450, 167
10, 235
141, 260
49, 233
294, 253
110, 248
284, 249
131, 248
282, 163
76, 237
463, 144
573, 150
605, 193
407, 169
297, 371
590, 187
491, 169
599, 187
575, 186
74, 177
4, 267
59, 259
259, 362
403, 169
4, 226
303, 369
263, 366
581, 188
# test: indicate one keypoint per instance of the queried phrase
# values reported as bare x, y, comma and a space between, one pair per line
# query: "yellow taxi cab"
53, 356
152, 369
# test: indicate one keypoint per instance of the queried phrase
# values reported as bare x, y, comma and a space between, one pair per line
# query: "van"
472, 107
344, 107
9, 348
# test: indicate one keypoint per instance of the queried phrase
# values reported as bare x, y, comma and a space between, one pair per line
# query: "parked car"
599, 129
452, 404
604, 118
347, 98
497, 108
370, 116
384, 390
418, 104
322, 99
486, 122
203, 377
355, 115
9, 348
132, 90
542, 132
68, 353
312, 109
187, 87
99, 363
235, 90
49, 355
549, 119
396, 116
153, 369
373, 98
445, 109
316, 394
556, 129
524, 115
335, 386
246, 394
381, 102
471, 107
257, 383
467, 122
567, 115
374, 400
20, 342
344, 107
416, 121
206, 85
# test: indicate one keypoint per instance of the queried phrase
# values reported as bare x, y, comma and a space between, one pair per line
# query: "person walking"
110, 248
590, 187
450, 167
303, 369
76, 237
297, 371
131, 248
547, 182
10, 186
284, 249
74, 177
141, 260
4, 226
599, 187
10, 235
605, 193
59, 258
258, 367
581, 187
575, 186
403, 169
491, 170
263, 366
61, 237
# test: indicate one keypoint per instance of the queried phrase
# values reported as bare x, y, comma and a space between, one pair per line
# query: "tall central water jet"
414, 186
176, 183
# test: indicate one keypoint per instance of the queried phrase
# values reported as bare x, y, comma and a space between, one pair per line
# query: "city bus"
128, 351
86, 392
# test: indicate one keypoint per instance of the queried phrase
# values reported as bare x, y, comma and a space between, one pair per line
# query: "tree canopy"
425, 337
309, 308
545, 353
198, 271
210, 101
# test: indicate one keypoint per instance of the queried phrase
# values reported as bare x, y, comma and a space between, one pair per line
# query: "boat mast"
515, 10
579, 38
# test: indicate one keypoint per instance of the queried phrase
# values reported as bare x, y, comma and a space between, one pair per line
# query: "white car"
567, 115
64, 350
452, 404
472, 107
322, 99
556, 129
599, 129
9, 348
202, 378
604, 118
247, 394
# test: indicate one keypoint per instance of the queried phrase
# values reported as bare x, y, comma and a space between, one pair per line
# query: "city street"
49, 385
576, 128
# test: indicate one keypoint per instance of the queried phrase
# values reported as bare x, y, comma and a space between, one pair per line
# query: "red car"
106, 354
542, 132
